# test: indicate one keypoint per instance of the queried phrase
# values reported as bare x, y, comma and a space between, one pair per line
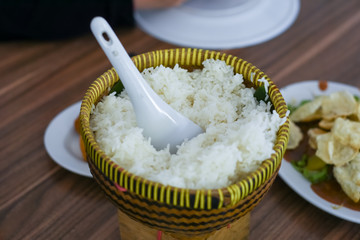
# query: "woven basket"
171, 209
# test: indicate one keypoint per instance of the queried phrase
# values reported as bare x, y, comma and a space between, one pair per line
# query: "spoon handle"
120, 60
157, 119
146, 103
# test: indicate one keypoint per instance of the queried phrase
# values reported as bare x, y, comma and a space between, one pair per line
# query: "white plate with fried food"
295, 94
62, 141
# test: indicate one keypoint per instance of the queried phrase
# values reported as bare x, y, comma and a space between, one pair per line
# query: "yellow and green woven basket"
171, 209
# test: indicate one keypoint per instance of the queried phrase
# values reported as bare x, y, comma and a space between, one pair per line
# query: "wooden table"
41, 200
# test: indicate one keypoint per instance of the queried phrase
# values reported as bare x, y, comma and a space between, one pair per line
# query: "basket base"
133, 230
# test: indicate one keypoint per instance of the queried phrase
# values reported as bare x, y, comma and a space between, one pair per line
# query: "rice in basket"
239, 130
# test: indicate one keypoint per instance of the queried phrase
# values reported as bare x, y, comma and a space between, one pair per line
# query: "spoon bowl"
159, 121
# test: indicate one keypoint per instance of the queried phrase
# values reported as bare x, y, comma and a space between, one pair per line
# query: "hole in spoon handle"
106, 37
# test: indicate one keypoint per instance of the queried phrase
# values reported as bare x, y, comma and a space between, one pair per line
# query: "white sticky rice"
239, 131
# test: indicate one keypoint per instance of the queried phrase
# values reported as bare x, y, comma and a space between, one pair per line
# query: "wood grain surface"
41, 200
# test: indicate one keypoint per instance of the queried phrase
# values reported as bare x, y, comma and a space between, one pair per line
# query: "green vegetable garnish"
314, 176
260, 94
118, 87
300, 165
291, 108
304, 102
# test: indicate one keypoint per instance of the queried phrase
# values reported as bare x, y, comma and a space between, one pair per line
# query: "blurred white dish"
62, 141
220, 24
294, 94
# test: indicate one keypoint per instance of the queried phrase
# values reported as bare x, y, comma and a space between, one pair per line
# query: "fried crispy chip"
347, 132
356, 115
308, 112
331, 151
338, 104
348, 176
313, 133
337, 138
295, 136
326, 124
355, 169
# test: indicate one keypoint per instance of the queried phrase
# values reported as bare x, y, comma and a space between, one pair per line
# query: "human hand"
153, 4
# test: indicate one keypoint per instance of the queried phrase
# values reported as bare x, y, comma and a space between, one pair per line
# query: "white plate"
294, 94
220, 24
62, 141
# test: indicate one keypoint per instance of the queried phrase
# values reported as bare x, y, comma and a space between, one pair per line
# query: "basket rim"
229, 195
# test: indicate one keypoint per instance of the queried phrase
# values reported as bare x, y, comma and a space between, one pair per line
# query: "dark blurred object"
59, 19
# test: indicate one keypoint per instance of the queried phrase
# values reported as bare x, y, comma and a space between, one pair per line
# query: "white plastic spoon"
160, 122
